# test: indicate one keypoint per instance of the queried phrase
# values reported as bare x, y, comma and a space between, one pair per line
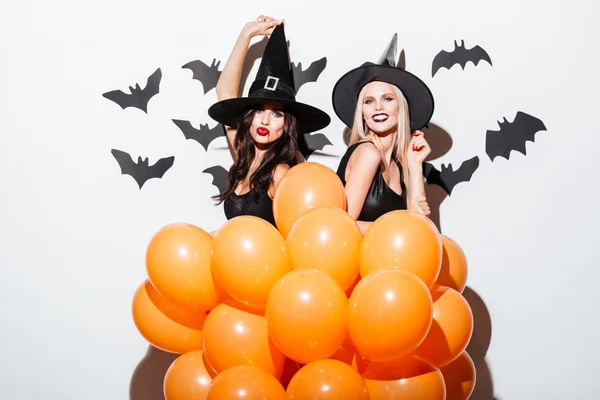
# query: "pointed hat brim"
310, 119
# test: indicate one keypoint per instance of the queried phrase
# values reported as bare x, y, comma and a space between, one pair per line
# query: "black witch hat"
274, 83
417, 94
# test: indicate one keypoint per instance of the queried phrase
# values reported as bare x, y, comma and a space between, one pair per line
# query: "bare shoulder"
365, 155
278, 173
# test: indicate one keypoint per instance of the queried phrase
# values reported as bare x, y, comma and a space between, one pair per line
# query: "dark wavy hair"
284, 150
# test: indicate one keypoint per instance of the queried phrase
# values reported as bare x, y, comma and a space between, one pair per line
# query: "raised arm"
360, 173
418, 150
229, 81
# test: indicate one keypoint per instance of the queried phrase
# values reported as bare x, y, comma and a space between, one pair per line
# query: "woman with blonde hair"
382, 170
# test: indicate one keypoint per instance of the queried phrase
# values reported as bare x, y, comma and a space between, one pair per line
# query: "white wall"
73, 231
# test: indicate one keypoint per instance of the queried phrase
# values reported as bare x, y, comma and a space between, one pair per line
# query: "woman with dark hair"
262, 129
382, 170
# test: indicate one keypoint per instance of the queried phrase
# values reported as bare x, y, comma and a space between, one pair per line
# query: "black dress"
251, 203
381, 198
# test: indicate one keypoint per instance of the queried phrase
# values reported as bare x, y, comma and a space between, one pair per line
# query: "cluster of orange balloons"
310, 309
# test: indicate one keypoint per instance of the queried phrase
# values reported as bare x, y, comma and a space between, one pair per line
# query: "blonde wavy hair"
360, 131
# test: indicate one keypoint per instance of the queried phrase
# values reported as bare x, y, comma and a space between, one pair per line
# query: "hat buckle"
273, 86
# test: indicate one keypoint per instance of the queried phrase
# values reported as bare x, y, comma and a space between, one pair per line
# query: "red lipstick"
262, 131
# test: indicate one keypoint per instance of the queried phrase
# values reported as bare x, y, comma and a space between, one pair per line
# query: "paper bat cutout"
219, 177
447, 179
460, 56
512, 135
204, 135
311, 74
208, 76
312, 142
141, 171
138, 98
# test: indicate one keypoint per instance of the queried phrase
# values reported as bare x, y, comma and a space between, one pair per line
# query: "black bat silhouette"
208, 76
204, 135
311, 74
138, 98
311, 142
141, 171
219, 177
447, 179
460, 56
512, 135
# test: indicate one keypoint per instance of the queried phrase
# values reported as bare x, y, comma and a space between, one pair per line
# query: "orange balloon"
459, 376
245, 382
405, 240
326, 239
244, 307
389, 314
178, 265
454, 271
211, 371
327, 379
347, 353
405, 379
305, 186
306, 315
234, 337
187, 378
248, 256
450, 330
164, 324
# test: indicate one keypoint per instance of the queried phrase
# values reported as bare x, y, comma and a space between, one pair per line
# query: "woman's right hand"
263, 25
420, 206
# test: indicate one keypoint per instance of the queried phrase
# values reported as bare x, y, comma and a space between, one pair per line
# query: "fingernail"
415, 133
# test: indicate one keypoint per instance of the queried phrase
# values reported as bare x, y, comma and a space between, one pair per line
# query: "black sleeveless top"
251, 203
381, 198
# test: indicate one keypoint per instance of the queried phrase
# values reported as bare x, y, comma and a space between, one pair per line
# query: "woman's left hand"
420, 206
418, 149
